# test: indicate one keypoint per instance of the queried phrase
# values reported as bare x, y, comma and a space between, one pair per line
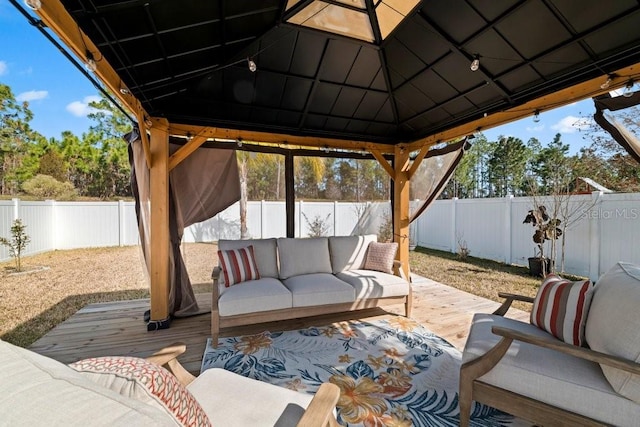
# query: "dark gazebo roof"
188, 60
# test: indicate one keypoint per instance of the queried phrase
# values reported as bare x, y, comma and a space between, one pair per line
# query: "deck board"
118, 328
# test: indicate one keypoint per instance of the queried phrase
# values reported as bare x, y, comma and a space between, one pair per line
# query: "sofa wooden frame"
472, 388
218, 322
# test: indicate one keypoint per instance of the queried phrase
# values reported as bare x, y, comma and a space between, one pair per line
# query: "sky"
58, 94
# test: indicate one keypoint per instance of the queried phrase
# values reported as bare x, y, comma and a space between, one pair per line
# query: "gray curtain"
202, 185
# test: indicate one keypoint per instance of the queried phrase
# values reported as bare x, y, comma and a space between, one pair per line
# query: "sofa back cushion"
303, 256
264, 251
613, 324
348, 252
37, 390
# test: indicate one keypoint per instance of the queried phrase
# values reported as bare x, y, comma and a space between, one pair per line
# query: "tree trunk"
243, 197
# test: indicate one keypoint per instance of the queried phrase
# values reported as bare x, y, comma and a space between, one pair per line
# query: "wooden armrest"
509, 299
320, 411
168, 358
581, 352
215, 274
398, 270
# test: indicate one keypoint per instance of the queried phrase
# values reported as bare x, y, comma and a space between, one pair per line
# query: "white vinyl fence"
607, 228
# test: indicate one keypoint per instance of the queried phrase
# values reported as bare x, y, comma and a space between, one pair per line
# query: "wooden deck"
118, 328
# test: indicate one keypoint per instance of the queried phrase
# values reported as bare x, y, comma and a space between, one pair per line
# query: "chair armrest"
398, 270
320, 411
561, 346
509, 299
168, 358
215, 274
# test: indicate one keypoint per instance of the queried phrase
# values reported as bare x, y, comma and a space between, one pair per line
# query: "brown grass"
32, 304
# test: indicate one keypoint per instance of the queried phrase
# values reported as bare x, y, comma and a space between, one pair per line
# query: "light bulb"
90, 62
536, 116
252, 65
33, 4
475, 64
239, 142
607, 83
124, 91
628, 89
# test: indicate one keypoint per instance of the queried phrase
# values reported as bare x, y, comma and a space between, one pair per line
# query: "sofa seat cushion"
546, 375
375, 284
37, 390
252, 296
349, 252
319, 289
226, 398
303, 256
613, 324
264, 250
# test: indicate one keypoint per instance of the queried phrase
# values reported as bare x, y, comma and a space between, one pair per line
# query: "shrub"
47, 187
318, 227
18, 243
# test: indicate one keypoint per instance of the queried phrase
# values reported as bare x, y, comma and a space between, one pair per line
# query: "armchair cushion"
561, 307
548, 376
380, 257
238, 265
142, 380
613, 325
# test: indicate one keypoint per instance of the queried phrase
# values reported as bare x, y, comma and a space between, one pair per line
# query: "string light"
252, 65
628, 89
536, 116
90, 62
607, 82
475, 64
124, 91
33, 4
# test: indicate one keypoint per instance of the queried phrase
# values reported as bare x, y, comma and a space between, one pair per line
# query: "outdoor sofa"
301, 277
524, 370
120, 391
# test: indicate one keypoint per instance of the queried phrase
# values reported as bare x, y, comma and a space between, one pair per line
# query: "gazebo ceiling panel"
187, 60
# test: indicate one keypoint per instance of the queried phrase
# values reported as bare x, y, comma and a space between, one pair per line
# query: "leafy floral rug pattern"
390, 372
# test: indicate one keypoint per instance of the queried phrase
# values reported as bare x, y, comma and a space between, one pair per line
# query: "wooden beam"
401, 206
278, 138
587, 89
383, 162
416, 162
159, 244
185, 151
56, 17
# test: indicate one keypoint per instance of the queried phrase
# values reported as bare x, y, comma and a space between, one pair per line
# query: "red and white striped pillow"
238, 265
561, 307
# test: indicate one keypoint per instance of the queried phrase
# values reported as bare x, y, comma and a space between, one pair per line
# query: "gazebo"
391, 78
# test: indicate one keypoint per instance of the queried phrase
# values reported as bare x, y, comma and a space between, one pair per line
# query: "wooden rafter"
185, 151
557, 99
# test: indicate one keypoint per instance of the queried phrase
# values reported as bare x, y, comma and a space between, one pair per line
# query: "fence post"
54, 235
16, 208
594, 236
454, 231
508, 205
335, 216
262, 218
300, 216
121, 224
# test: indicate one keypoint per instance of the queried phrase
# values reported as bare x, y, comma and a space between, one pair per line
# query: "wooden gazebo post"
401, 205
159, 239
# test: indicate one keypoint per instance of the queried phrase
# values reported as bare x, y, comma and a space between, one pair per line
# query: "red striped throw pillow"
561, 307
238, 265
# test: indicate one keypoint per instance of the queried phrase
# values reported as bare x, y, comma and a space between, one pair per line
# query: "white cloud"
32, 95
572, 124
538, 128
82, 108
3, 68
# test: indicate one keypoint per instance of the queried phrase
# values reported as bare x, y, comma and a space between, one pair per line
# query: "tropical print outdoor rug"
390, 372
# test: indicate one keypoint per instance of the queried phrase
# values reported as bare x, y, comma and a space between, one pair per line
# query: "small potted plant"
546, 228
